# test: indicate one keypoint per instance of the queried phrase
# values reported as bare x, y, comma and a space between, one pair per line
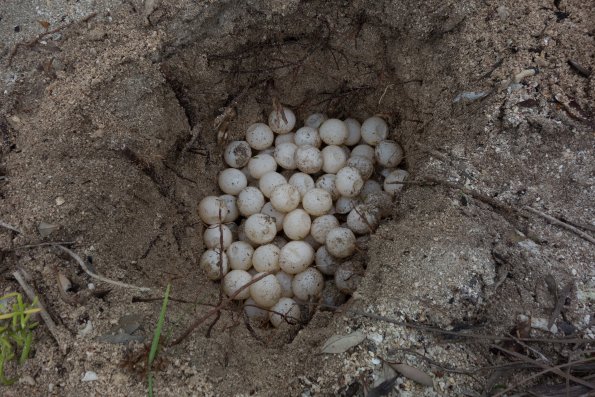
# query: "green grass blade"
150, 384
157, 334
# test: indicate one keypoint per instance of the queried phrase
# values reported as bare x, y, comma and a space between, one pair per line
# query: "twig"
44, 244
545, 371
43, 313
10, 227
42, 35
558, 222
445, 332
216, 309
555, 370
84, 266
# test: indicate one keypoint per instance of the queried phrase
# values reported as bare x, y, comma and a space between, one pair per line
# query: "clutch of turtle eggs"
295, 202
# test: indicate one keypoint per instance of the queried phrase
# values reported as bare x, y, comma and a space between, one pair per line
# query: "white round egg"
250, 201
364, 150
260, 228
333, 132
348, 276
213, 265
344, 205
281, 122
327, 182
363, 219
213, 209
285, 282
349, 182
388, 153
364, 165
285, 155
353, 132
266, 258
215, 234
270, 181
302, 182
315, 120
374, 130
325, 262
285, 311
232, 181
261, 164
239, 255
266, 291
340, 242
269, 210
308, 136
237, 154
234, 281
307, 285
333, 159
259, 136
317, 202
308, 159
232, 208
285, 138
296, 224
285, 198
295, 257
321, 226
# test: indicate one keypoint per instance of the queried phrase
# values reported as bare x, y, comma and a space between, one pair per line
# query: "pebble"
90, 376
27, 379
60, 200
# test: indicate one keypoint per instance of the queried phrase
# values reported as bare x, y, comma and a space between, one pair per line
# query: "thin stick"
84, 266
558, 222
10, 227
43, 313
445, 332
44, 244
555, 370
545, 371
216, 309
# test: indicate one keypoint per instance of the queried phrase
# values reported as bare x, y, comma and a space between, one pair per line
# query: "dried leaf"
45, 229
341, 343
414, 374
44, 24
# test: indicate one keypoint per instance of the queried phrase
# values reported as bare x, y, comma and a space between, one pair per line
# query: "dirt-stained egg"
212, 210
259, 136
340, 242
333, 132
213, 264
234, 281
282, 120
285, 311
260, 228
374, 130
266, 291
237, 154
295, 257
239, 255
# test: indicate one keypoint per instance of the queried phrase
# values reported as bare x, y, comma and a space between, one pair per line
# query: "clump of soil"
110, 130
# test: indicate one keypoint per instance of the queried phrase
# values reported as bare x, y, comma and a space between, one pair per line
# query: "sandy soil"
96, 121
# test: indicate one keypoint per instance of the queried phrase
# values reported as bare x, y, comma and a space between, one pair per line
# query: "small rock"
541, 323
90, 376
27, 379
87, 329
60, 200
